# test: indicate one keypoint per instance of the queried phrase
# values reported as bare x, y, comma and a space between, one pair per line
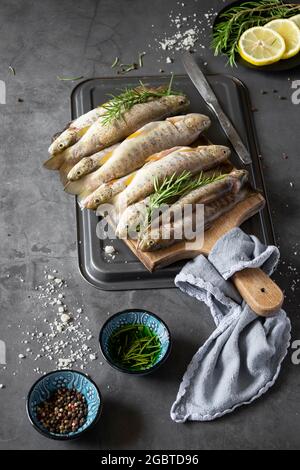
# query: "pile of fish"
122, 161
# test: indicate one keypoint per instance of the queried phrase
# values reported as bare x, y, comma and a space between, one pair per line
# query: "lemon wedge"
261, 46
296, 20
290, 33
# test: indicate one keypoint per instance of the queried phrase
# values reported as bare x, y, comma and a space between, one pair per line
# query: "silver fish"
154, 239
107, 191
132, 153
189, 159
135, 215
101, 135
75, 130
88, 164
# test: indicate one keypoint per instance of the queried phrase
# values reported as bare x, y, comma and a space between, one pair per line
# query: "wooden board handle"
262, 295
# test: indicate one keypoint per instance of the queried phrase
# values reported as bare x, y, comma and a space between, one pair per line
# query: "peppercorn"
65, 411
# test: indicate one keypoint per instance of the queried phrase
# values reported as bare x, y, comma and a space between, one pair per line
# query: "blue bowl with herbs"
63, 404
135, 341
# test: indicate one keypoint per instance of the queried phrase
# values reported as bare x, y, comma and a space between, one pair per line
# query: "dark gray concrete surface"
70, 38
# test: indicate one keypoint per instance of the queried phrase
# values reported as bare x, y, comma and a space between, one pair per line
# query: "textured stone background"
69, 38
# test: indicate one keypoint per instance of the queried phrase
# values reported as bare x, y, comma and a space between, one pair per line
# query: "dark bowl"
280, 66
45, 386
136, 317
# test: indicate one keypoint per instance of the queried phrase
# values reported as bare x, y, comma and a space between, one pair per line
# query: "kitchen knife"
199, 80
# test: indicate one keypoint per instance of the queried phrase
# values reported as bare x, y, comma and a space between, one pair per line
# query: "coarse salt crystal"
109, 249
65, 318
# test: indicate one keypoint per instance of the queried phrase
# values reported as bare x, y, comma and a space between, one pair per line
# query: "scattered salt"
109, 250
65, 318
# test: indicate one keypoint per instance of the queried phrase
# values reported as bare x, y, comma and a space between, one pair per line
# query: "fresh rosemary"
134, 347
119, 104
234, 21
173, 187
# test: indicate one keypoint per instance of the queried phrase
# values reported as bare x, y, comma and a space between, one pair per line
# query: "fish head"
194, 123
92, 201
240, 178
179, 103
151, 240
62, 141
80, 169
147, 244
219, 151
75, 174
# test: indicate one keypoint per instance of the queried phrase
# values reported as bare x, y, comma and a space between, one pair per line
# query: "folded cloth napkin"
242, 358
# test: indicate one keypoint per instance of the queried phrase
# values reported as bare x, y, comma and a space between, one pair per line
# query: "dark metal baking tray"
125, 271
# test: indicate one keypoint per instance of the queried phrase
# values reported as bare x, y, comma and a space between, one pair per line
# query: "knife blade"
199, 80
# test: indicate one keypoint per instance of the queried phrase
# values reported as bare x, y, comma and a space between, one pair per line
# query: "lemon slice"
261, 46
290, 33
296, 20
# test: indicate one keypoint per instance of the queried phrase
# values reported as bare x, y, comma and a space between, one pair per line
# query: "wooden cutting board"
255, 287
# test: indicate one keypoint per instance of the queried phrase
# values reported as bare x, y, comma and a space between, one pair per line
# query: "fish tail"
64, 171
54, 162
83, 198
74, 187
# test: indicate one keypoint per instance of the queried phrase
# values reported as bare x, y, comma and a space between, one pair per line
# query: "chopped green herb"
12, 69
134, 347
115, 62
125, 68
66, 79
141, 55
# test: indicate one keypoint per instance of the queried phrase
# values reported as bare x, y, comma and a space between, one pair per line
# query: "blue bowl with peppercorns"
63, 404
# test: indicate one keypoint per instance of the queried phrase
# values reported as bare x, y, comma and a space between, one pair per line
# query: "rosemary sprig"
119, 104
234, 21
173, 187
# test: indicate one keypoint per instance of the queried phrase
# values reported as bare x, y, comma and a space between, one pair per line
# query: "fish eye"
78, 172
61, 145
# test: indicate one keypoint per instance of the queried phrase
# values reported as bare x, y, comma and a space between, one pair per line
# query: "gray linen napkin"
242, 358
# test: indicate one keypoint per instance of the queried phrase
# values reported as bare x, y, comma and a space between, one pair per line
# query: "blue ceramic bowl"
48, 384
135, 317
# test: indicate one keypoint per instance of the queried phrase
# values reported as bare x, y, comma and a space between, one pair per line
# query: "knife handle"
262, 295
